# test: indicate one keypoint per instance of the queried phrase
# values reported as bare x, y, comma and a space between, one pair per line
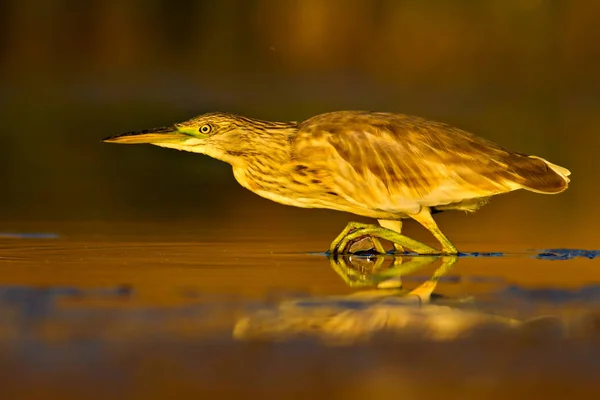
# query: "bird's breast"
283, 187
270, 187
266, 183
243, 179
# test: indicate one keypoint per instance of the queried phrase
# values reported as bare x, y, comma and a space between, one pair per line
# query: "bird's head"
226, 137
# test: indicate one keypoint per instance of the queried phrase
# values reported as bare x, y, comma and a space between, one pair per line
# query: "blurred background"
523, 73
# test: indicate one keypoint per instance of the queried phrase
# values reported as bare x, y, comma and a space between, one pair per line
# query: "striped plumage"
379, 165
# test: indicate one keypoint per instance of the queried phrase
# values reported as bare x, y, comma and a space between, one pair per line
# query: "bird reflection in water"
384, 311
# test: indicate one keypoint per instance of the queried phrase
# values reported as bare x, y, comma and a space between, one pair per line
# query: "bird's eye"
205, 129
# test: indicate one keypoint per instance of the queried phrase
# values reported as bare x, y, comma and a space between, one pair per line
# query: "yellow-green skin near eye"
380, 165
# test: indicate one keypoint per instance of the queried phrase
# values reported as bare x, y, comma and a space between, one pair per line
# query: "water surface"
137, 315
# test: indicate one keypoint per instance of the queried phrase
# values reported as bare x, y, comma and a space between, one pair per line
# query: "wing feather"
398, 163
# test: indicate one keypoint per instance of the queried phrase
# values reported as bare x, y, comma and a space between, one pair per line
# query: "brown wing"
395, 162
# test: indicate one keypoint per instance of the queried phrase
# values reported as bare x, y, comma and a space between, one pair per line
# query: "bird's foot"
355, 230
449, 249
353, 227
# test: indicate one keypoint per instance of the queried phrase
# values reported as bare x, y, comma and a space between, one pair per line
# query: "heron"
380, 165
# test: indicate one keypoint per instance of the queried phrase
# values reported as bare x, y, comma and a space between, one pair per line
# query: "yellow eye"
205, 129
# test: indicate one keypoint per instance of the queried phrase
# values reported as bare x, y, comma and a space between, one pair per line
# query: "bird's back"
397, 162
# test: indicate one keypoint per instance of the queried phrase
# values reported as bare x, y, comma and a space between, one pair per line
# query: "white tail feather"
562, 171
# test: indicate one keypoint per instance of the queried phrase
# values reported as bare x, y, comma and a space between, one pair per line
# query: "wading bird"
380, 165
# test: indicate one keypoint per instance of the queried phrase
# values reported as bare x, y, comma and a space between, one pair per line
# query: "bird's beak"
169, 134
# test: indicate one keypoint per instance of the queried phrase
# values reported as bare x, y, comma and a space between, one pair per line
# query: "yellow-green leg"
355, 230
424, 218
393, 225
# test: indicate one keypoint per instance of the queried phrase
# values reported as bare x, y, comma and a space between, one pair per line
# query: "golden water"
148, 310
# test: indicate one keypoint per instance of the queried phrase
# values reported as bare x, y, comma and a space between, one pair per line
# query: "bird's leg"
393, 225
424, 218
354, 226
355, 230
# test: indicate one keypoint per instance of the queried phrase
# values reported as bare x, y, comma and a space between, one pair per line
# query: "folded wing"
398, 163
